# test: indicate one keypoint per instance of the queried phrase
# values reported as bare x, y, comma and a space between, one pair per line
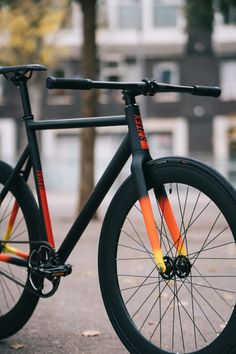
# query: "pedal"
44, 264
50, 272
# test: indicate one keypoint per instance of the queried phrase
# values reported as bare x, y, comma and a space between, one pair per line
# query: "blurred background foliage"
24, 27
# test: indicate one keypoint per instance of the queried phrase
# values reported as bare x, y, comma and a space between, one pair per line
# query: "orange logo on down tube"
141, 132
40, 180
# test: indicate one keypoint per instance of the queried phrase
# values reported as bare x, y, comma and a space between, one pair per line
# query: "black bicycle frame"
31, 159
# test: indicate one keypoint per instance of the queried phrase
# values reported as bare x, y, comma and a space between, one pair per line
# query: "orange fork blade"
148, 216
170, 220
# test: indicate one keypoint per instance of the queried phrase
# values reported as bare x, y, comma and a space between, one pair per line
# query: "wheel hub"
179, 266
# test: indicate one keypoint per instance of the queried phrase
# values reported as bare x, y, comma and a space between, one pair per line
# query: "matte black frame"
103, 185
30, 159
134, 143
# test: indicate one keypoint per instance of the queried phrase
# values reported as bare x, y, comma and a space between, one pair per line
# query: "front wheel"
192, 309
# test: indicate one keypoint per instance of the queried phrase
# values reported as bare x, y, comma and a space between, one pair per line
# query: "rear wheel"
17, 303
191, 310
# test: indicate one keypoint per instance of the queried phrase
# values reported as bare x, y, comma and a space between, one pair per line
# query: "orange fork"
170, 220
152, 231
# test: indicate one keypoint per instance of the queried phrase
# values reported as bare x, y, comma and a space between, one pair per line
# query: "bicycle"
167, 245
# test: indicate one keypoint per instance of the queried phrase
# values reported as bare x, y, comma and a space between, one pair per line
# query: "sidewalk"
59, 322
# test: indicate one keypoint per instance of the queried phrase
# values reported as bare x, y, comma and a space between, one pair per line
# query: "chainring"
42, 258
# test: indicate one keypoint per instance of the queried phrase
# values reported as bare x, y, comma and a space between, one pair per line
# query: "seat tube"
40, 187
140, 154
46, 227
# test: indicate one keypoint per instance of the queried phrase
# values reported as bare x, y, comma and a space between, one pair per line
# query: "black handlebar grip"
206, 91
68, 84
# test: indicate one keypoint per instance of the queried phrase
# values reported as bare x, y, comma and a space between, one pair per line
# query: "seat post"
22, 84
17, 75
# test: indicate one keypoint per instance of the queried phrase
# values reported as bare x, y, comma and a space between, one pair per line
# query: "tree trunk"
200, 16
89, 102
199, 66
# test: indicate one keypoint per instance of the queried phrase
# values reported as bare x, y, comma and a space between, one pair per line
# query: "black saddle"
21, 69
17, 74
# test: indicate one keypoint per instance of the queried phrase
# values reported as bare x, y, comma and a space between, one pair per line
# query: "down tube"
95, 199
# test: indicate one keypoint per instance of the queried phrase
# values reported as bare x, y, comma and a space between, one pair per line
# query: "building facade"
147, 38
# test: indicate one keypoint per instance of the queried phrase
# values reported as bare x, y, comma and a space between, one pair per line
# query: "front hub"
182, 266
179, 266
170, 268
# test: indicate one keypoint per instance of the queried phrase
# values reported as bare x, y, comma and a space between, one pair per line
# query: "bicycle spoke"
205, 244
208, 283
133, 239
132, 259
137, 234
194, 299
179, 303
213, 247
139, 243
145, 278
5, 289
173, 317
180, 322
136, 286
143, 303
133, 248
212, 287
164, 234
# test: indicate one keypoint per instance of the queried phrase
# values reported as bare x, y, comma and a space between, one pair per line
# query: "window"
113, 78
112, 64
130, 60
168, 73
130, 15
102, 13
164, 13
228, 79
231, 19
166, 76
229, 14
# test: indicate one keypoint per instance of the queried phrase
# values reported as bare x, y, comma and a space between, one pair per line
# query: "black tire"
193, 313
16, 303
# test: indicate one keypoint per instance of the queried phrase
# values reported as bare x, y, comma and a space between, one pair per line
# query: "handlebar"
145, 87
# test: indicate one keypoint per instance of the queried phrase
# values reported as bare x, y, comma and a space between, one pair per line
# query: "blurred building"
147, 38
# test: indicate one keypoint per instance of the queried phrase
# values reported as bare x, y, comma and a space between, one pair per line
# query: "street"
74, 320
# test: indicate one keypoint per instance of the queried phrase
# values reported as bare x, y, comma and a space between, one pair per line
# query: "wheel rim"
181, 314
